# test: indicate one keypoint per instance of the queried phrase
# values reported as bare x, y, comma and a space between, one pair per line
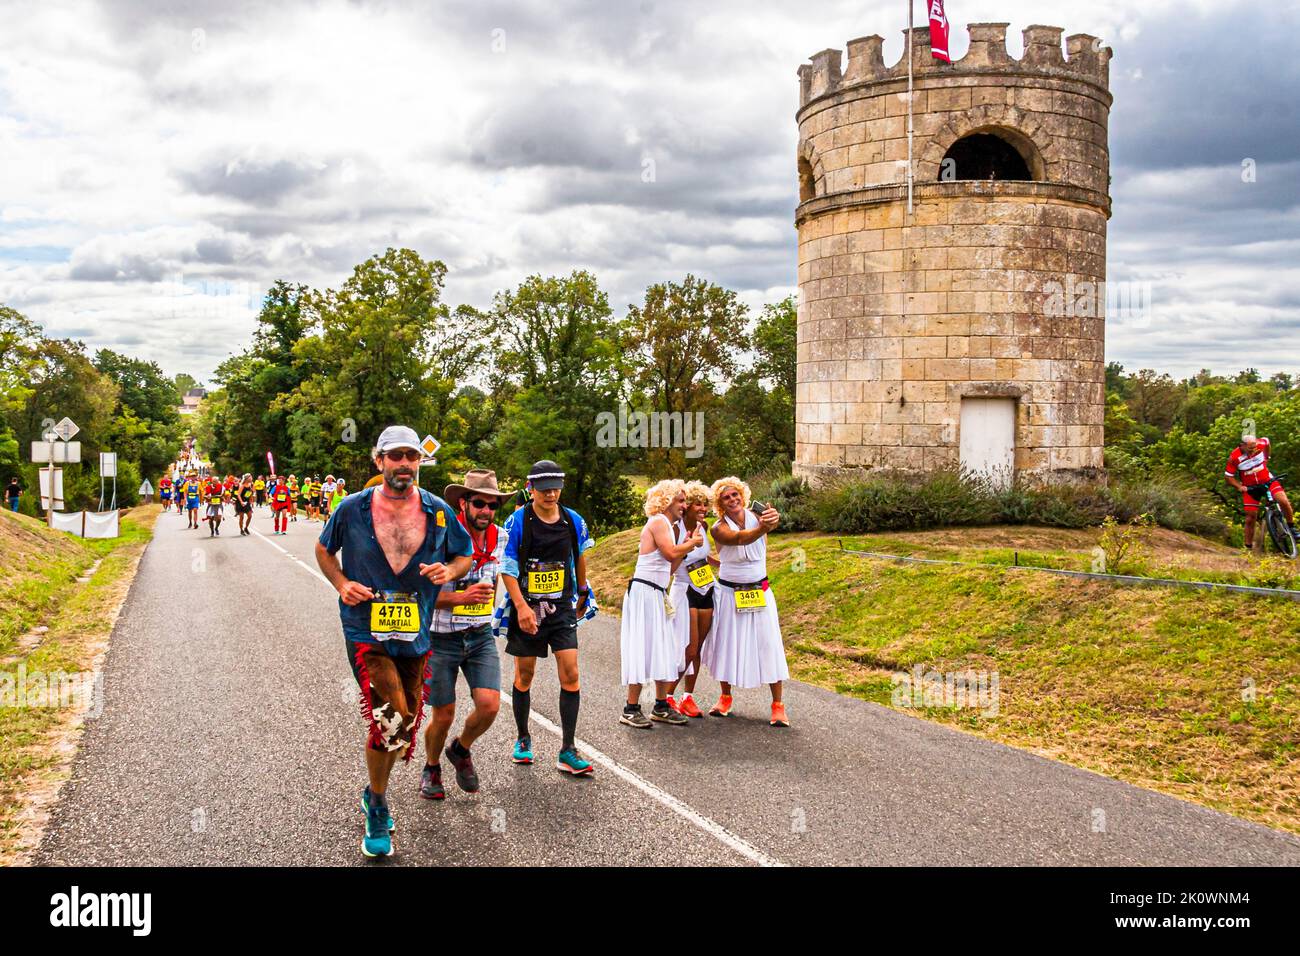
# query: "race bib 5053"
546, 578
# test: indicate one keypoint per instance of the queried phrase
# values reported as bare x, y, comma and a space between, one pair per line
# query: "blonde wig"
731, 481
697, 493
661, 494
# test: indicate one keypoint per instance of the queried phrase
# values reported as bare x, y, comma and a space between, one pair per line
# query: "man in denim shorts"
461, 638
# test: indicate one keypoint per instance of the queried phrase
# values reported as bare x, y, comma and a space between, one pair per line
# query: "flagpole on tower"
910, 4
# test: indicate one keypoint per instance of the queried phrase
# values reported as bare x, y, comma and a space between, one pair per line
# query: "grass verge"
1190, 693
38, 587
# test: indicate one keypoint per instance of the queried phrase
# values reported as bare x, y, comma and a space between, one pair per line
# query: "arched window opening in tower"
983, 156
807, 186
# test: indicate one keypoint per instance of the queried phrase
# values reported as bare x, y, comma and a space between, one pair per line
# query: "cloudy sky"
161, 164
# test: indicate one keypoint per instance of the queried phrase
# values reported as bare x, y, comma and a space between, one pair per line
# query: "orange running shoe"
675, 707
722, 708
779, 719
688, 708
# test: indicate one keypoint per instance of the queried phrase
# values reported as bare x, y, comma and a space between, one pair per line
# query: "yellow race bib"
394, 616
473, 612
752, 599
546, 579
701, 574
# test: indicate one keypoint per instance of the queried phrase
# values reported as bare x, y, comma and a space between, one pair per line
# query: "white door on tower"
988, 438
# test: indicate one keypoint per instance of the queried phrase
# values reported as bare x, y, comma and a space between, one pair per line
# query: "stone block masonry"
901, 316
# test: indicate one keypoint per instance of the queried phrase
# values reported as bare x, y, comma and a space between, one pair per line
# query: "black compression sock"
569, 715
457, 748
521, 702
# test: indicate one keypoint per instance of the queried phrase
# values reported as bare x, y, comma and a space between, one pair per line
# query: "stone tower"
971, 331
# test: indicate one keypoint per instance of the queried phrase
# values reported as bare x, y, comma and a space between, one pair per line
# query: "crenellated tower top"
1085, 59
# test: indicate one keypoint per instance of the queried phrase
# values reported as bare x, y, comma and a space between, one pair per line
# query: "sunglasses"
407, 455
480, 503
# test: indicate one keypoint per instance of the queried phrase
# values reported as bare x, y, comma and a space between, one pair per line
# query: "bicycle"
1270, 512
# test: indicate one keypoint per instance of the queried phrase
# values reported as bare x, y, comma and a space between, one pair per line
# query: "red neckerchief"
489, 542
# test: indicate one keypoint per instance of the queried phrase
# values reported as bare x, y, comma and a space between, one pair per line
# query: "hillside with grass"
1192, 693
51, 624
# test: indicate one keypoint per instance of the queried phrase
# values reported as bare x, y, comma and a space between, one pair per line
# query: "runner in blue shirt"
192, 496
400, 545
544, 570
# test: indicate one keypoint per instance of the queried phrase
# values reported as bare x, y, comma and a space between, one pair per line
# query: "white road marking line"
295, 559
658, 794
684, 810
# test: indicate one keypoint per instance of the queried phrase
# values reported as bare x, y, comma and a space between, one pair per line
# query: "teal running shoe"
570, 762
365, 808
523, 750
377, 841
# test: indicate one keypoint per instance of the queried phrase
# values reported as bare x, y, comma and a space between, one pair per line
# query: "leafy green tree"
757, 427
1154, 401
1121, 430
680, 344
558, 351
142, 386
19, 341
184, 382
1207, 404
384, 350
1116, 379
1204, 456
145, 424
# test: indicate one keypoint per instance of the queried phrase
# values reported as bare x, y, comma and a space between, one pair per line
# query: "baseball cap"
397, 436
546, 475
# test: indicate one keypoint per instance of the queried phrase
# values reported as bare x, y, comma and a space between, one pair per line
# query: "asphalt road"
230, 735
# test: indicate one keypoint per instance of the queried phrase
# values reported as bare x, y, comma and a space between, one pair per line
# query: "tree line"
121, 404
1155, 423
533, 376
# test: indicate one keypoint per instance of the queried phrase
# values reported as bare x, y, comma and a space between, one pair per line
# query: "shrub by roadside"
901, 502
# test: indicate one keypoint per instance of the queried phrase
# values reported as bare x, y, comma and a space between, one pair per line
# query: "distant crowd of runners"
284, 495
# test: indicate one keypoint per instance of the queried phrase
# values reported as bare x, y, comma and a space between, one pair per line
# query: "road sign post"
430, 447
57, 445
107, 469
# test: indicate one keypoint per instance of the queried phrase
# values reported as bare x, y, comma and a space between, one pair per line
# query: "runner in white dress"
745, 649
648, 641
693, 593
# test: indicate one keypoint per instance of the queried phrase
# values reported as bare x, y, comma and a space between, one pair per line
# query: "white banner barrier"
101, 524
70, 521
88, 524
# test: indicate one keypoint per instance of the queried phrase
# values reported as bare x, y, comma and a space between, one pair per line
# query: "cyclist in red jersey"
1248, 465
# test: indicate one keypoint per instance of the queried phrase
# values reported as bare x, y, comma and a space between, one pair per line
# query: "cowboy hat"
478, 481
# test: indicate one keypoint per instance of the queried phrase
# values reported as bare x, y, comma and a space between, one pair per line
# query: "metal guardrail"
1091, 575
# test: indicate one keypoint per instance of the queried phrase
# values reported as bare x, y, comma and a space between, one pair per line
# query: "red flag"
938, 32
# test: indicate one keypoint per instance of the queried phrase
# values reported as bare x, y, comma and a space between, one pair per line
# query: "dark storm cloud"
1195, 96
1213, 89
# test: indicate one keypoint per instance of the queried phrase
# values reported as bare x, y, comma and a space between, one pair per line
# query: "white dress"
681, 621
745, 648
648, 641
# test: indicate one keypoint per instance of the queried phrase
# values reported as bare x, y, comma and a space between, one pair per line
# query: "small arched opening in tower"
984, 156
807, 181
